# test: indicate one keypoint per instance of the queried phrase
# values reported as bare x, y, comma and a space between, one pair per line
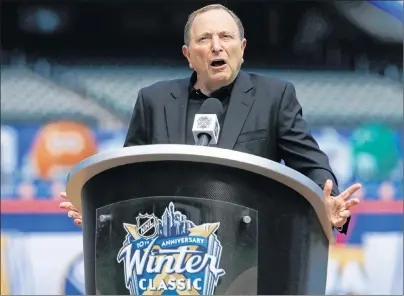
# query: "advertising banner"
37, 159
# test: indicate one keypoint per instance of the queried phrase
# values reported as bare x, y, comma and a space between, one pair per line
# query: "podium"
189, 220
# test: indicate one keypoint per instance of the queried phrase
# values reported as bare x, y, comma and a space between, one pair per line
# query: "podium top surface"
100, 162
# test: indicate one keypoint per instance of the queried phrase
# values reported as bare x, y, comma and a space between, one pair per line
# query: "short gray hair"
192, 16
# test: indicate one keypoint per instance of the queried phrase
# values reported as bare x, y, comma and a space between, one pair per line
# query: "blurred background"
70, 73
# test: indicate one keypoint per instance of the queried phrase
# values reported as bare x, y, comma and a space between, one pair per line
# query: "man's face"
215, 50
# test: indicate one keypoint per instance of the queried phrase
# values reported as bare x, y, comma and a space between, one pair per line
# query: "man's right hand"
72, 211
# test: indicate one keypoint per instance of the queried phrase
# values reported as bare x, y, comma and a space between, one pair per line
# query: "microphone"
206, 126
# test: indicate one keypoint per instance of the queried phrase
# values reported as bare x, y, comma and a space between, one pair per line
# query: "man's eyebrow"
220, 33
205, 34
227, 32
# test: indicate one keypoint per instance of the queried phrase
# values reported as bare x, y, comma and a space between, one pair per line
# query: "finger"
63, 195
65, 204
344, 214
339, 222
73, 214
78, 222
351, 190
352, 202
68, 206
327, 188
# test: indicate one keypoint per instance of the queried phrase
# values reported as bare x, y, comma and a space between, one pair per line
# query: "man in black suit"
262, 115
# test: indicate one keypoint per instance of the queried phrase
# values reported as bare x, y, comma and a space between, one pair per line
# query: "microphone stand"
203, 140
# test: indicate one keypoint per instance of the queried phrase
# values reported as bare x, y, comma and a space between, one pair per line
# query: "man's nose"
216, 44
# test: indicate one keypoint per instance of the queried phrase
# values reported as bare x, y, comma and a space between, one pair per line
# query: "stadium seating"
332, 97
114, 87
29, 97
107, 94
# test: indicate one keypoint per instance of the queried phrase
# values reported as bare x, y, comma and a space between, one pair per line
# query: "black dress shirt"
195, 101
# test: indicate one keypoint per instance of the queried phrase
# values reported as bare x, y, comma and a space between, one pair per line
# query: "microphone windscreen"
211, 106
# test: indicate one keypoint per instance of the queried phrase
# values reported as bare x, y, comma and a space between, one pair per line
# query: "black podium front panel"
176, 246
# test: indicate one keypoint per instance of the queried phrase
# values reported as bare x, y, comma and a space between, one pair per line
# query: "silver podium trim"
98, 163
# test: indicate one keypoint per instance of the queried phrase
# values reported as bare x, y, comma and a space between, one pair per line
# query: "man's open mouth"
218, 63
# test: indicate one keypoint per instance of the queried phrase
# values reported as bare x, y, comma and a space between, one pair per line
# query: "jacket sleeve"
298, 148
137, 132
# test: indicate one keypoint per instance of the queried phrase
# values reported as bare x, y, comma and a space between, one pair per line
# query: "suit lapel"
176, 112
241, 101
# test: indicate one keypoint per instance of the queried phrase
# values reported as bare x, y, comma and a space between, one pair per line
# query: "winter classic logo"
171, 255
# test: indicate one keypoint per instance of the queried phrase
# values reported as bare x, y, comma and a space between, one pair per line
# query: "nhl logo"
147, 225
204, 121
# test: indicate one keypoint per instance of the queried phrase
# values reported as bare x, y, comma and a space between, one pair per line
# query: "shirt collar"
221, 93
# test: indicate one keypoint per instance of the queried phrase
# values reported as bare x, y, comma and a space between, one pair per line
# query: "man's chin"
220, 76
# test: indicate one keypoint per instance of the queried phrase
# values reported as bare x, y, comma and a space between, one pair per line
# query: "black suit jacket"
263, 118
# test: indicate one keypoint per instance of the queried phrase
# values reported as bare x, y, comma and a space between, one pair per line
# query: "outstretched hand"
72, 211
337, 207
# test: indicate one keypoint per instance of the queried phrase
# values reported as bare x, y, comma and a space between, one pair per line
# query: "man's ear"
243, 44
185, 52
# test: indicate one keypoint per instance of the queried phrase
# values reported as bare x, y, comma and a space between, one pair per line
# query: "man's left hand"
337, 207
